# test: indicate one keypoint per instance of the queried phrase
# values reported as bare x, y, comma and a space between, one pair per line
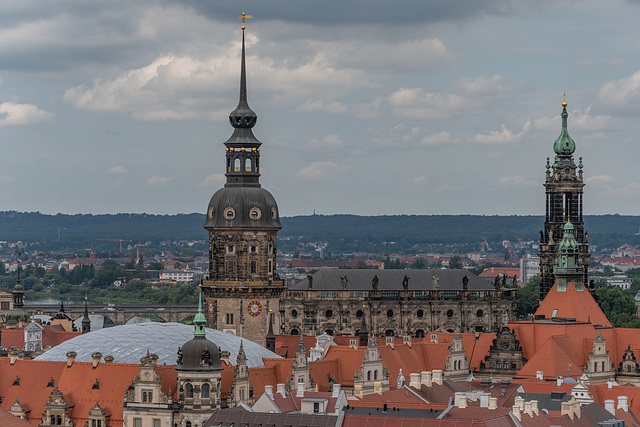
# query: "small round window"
328, 314
359, 313
479, 313
229, 214
420, 313
450, 313
274, 213
389, 313
255, 214
212, 212
294, 313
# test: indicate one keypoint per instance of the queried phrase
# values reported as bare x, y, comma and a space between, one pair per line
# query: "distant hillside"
344, 232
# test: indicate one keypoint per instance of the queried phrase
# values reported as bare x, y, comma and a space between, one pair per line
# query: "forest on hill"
342, 232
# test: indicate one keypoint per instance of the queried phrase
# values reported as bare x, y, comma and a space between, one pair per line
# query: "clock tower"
242, 221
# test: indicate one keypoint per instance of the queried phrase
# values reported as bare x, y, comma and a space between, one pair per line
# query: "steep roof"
573, 304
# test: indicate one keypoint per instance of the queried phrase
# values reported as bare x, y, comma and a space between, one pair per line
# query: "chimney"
390, 341
437, 376
623, 403
566, 408
540, 375
426, 378
415, 380
534, 407
300, 392
14, 354
611, 383
269, 390
493, 403
71, 357
353, 343
559, 381
407, 340
108, 359
462, 403
527, 409
95, 359
484, 400
456, 398
358, 391
335, 390
576, 407
280, 388
519, 401
516, 412
610, 405
377, 387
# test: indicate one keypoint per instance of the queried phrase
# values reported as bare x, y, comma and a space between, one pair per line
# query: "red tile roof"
574, 304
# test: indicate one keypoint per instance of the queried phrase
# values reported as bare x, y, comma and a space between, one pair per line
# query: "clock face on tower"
254, 308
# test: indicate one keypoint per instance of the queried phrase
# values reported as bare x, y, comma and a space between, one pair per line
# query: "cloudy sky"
369, 107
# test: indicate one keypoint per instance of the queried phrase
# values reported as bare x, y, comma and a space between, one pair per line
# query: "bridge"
121, 313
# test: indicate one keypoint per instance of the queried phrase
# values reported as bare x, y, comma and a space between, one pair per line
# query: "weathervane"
244, 16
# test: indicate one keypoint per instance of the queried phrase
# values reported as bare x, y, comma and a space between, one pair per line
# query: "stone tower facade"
242, 221
564, 199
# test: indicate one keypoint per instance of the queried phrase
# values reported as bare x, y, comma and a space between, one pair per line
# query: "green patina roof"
199, 319
564, 145
568, 239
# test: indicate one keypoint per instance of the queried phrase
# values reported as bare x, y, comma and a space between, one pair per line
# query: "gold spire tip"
244, 16
564, 101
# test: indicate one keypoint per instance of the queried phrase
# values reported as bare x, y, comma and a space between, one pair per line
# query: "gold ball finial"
564, 104
564, 99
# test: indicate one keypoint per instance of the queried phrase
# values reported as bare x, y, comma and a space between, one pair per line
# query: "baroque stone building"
564, 185
242, 221
395, 303
244, 291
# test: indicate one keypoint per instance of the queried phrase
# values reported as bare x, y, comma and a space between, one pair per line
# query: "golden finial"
243, 17
564, 102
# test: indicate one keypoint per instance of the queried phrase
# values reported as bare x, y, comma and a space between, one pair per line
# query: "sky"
365, 107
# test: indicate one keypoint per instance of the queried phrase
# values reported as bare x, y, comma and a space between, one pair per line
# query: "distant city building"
529, 267
621, 281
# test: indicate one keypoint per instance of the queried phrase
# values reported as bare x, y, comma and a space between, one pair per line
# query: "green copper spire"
564, 145
568, 269
199, 319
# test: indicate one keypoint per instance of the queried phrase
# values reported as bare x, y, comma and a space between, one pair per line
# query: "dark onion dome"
199, 354
18, 313
237, 207
564, 144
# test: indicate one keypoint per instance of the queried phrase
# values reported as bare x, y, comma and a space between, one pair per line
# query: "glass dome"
129, 343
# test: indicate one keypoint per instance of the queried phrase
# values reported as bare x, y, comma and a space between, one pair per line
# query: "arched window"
419, 333
368, 375
144, 396
375, 374
150, 396
247, 165
188, 424
53, 420
205, 391
236, 165
59, 420
294, 331
188, 391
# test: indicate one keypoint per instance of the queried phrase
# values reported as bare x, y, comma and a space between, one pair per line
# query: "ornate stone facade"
564, 185
395, 303
505, 356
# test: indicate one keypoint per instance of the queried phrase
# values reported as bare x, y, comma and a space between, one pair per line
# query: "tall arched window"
188, 389
368, 375
205, 391
59, 420
247, 165
375, 374
144, 396
236, 165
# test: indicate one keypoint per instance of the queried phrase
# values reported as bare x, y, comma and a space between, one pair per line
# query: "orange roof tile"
574, 304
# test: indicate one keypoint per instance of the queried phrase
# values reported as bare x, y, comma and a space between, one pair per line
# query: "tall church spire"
564, 201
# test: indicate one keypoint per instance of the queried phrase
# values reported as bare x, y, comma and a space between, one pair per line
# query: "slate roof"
419, 280
240, 417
